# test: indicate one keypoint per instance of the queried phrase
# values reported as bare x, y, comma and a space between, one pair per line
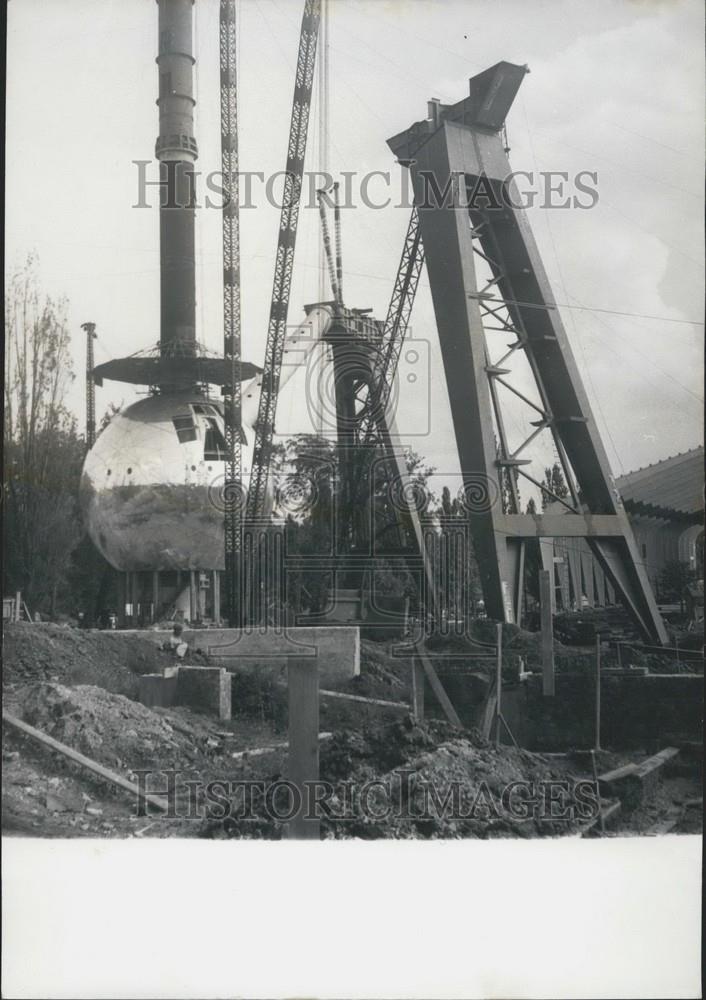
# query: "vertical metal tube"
598, 692
498, 682
545, 607
90, 329
177, 152
193, 597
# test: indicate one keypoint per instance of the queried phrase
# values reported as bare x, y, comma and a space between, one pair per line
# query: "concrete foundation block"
334, 648
156, 691
205, 688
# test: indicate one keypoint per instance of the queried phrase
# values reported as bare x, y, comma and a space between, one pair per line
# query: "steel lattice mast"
284, 261
91, 335
232, 488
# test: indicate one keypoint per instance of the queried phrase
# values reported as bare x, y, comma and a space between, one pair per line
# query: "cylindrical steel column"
177, 151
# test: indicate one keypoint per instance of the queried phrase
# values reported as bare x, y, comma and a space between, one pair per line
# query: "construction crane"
91, 335
232, 393
395, 329
284, 261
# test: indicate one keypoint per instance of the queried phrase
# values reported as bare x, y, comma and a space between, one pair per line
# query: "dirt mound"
440, 784
405, 780
107, 727
43, 651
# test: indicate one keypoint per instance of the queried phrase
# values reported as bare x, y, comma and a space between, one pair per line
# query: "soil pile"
106, 727
435, 783
34, 652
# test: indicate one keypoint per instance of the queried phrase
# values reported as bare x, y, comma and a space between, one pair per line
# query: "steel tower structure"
457, 152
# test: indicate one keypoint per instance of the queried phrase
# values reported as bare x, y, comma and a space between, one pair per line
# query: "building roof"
672, 486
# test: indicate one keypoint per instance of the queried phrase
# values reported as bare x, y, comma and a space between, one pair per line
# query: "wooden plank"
260, 751
78, 758
367, 701
303, 759
438, 689
633, 781
545, 597
617, 774
485, 723
652, 764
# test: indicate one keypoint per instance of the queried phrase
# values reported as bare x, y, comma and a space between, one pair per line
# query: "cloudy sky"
615, 87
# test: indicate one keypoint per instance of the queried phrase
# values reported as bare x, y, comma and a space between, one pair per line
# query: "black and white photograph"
353, 482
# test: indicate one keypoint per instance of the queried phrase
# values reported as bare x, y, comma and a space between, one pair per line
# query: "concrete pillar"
135, 598
128, 611
193, 596
599, 578
216, 596
155, 595
587, 568
201, 595
546, 552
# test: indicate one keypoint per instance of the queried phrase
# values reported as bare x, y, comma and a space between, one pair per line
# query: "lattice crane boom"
232, 401
284, 261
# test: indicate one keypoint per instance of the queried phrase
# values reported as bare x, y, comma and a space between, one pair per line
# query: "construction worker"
176, 643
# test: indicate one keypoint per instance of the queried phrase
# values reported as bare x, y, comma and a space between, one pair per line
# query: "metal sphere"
152, 485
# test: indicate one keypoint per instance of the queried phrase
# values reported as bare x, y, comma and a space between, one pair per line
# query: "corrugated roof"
676, 483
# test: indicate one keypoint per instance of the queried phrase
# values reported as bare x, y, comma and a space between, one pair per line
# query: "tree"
673, 580
458, 578
553, 483
306, 472
42, 450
